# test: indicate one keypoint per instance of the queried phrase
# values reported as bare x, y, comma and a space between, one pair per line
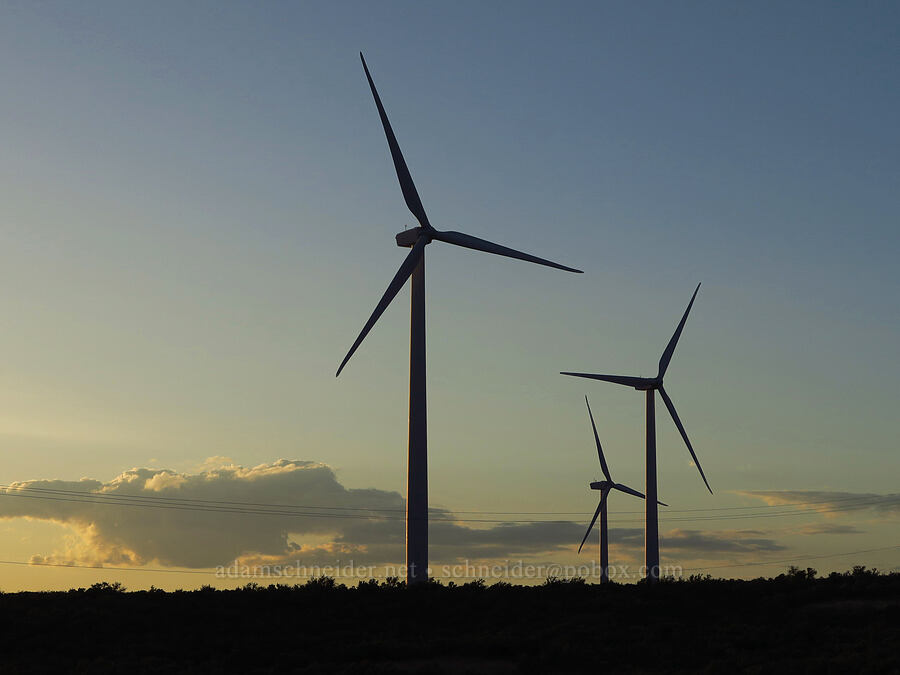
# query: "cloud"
830, 503
697, 542
700, 542
213, 516
827, 528
291, 511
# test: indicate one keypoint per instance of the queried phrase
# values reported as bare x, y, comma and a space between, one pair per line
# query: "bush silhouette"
796, 622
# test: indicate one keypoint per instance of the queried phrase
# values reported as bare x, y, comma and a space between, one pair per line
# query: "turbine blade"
625, 488
405, 271
670, 348
406, 182
628, 490
616, 379
597, 439
477, 244
594, 519
687, 441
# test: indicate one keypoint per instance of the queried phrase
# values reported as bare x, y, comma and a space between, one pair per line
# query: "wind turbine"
605, 487
650, 385
414, 266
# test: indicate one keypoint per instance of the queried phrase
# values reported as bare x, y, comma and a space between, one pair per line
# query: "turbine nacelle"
602, 485
408, 238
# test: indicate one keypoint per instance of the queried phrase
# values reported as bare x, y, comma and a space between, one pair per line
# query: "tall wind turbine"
650, 385
605, 486
414, 266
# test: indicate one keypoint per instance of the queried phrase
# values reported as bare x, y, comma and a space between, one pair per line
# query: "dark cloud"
210, 518
179, 519
451, 541
694, 543
697, 542
828, 528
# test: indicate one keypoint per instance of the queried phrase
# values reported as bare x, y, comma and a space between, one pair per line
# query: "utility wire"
108, 495
311, 511
101, 567
160, 498
857, 503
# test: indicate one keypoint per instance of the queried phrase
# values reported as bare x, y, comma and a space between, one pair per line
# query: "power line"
370, 513
101, 567
857, 503
107, 495
298, 575
160, 498
182, 507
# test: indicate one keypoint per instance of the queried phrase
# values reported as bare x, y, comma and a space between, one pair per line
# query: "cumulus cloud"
285, 511
830, 503
291, 511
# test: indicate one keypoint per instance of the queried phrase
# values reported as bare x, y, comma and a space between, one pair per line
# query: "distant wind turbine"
414, 266
650, 385
605, 487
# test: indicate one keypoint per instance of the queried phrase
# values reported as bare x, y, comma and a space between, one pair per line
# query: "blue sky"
199, 209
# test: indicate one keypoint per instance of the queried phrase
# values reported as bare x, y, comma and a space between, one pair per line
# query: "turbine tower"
650, 385
414, 266
605, 487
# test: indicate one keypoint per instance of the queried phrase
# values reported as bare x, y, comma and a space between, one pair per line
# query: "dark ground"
840, 624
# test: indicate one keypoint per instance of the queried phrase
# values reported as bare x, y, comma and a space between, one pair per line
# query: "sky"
198, 212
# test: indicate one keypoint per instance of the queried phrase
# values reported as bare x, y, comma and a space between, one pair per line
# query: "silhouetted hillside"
794, 623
